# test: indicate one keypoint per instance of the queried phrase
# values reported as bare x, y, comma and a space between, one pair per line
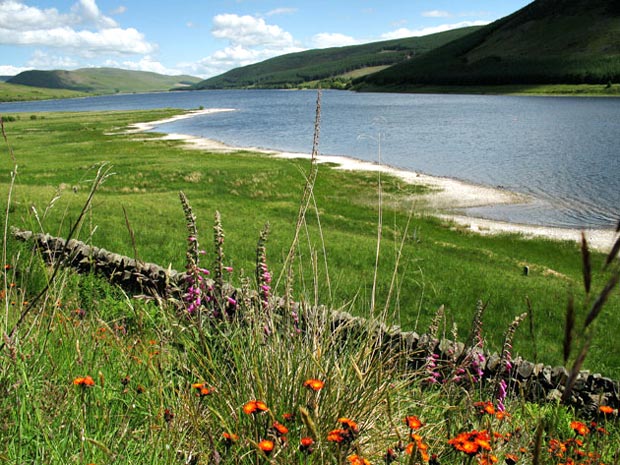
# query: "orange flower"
306, 444
487, 459
606, 409
413, 422
280, 429
84, 381
288, 416
471, 442
255, 406
485, 407
202, 389
579, 428
349, 424
314, 384
357, 460
339, 435
266, 446
419, 445
511, 459
229, 438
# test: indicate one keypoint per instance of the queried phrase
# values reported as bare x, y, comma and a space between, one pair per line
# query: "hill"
102, 80
18, 93
546, 42
338, 65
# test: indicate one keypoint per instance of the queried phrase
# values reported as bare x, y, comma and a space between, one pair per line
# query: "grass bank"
57, 155
17, 93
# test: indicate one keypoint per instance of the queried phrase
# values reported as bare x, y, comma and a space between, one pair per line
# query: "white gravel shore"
446, 193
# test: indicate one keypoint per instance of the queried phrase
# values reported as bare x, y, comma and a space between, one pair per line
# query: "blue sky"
208, 37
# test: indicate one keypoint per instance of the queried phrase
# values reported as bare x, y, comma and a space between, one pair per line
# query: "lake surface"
563, 152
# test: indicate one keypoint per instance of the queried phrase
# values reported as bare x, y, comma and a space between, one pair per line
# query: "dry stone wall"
533, 381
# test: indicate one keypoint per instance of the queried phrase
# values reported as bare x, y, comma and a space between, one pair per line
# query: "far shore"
446, 193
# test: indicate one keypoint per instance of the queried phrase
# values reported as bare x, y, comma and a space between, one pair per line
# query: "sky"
205, 38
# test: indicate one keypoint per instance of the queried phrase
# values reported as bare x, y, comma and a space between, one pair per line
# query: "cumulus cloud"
436, 14
249, 31
121, 9
250, 40
84, 30
329, 39
405, 32
42, 60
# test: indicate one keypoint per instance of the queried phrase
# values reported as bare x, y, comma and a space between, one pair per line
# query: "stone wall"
533, 381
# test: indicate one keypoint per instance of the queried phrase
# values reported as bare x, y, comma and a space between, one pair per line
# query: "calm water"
564, 152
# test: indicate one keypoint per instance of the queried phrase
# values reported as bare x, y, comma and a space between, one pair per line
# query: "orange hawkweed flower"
279, 428
579, 428
84, 381
487, 459
306, 444
471, 442
229, 438
485, 407
349, 424
357, 460
288, 416
339, 435
314, 384
255, 406
606, 409
413, 422
511, 459
266, 446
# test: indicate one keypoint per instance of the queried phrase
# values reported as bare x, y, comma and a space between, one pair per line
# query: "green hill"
102, 80
338, 65
546, 42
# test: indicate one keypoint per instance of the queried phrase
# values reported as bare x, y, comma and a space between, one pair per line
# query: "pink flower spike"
231, 301
228, 268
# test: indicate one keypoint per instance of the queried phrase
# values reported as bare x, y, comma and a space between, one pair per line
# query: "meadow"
92, 375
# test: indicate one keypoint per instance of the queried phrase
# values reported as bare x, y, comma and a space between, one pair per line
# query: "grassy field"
17, 93
90, 375
572, 90
57, 156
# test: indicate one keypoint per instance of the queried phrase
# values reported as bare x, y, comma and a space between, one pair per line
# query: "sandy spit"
446, 193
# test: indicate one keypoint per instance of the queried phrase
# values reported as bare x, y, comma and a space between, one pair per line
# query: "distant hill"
5, 78
102, 80
335, 66
548, 41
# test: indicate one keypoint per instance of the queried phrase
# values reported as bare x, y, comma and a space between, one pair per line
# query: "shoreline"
446, 194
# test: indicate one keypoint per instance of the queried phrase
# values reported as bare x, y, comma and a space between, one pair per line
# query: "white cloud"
250, 40
42, 60
249, 31
330, 39
146, 63
405, 32
8, 70
84, 31
436, 14
119, 10
281, 11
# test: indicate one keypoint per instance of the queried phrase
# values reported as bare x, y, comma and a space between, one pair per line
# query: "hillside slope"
296, 69
102, 80
548, 41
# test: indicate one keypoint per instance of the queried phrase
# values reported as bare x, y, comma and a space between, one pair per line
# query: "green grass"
57, 155
17, 93
146, 360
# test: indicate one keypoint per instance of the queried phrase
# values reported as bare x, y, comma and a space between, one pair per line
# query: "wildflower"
348, 424
266, 446
579, 428
606, 409
339, 436
229, 269
168, 415
306, 444
421, 446
314, 384
413, 422
288, 416
487, 459
255, 406
511, 459
231, 301
357, 460
279, 428
202, 389
485, 407
84, 381
229, 438
470, 443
